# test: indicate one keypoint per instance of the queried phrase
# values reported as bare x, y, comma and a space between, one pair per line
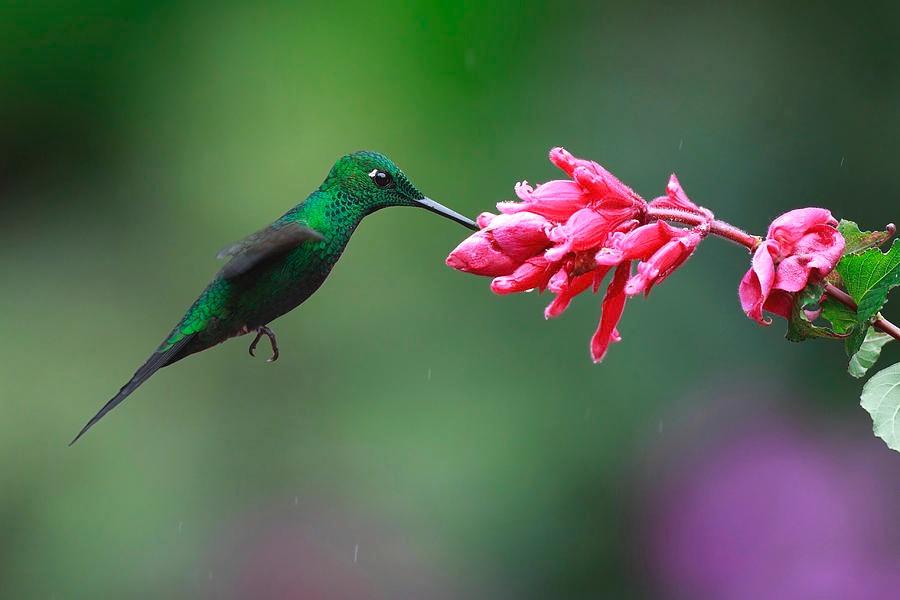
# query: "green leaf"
868, 277
800, 328
855, 340
868, 353
842, 318
858, 241
881, 398
843, 321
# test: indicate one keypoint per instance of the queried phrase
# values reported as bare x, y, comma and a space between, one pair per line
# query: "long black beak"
429, 204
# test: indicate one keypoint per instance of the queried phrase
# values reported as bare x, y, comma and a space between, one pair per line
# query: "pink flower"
567, 287
533, 273
566, 235
665, 259
592, 176
676, 198
587, 228
660, 247
554, 200
611, 311
504, 243
801, 246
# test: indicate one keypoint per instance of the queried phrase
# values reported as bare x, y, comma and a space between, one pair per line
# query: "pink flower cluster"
566, 235
802, 246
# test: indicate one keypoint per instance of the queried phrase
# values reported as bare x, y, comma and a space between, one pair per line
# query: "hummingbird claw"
265, 331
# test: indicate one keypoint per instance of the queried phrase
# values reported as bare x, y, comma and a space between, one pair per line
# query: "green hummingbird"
275, 269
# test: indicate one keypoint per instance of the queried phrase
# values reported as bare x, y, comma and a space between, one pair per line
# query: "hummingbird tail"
157, 361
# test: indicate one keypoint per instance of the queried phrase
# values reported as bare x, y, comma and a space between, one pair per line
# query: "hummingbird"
272, 271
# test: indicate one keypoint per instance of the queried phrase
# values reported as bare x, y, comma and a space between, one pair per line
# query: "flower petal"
669, 257
479, 255
780, 303
484, 219
793, 225
677, 199
792, 274
757, 282
520, 236
612, 308
571, 289
554, 200
591, 176
823, 242
584, 230
533, 273
505, 243
563, 159
603, 185
640, 243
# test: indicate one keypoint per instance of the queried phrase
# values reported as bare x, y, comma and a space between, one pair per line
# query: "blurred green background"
419, 437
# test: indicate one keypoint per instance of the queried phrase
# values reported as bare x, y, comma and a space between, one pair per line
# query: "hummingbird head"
374, 181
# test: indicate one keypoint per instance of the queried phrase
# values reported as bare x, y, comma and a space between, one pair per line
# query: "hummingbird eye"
382, 180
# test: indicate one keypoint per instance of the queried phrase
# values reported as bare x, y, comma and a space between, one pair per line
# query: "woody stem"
742, 238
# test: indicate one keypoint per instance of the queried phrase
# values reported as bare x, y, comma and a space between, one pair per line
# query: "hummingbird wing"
274, 240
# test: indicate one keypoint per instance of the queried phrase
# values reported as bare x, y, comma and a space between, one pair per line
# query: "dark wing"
156, 361
274, 240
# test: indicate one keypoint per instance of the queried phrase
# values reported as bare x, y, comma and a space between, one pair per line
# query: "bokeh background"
420, 437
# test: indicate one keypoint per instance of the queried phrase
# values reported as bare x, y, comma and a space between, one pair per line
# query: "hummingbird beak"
429, 204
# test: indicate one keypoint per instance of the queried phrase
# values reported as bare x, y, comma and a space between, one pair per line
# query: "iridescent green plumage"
276, 269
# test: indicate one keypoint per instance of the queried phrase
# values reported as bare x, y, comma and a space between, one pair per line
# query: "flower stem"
719, 228
742, 238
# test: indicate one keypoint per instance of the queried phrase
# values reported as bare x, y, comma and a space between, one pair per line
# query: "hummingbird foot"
265, 331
